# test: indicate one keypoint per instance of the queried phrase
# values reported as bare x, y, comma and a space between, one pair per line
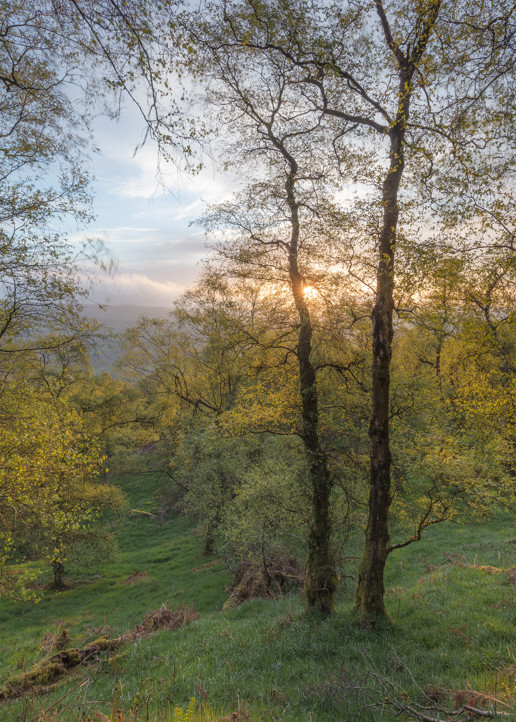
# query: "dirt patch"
432, 568
60, 664
463, 698
135, 577
511, 575
455, 558
250, 583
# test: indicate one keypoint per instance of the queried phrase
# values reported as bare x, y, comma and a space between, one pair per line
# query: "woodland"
306, 472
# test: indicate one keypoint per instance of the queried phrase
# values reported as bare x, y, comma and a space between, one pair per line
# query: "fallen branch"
485, 713
60, 664
397, 698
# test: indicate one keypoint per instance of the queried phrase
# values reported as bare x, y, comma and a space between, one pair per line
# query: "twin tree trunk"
369, 598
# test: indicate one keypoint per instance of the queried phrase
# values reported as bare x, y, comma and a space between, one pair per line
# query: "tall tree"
432, 83
283, 230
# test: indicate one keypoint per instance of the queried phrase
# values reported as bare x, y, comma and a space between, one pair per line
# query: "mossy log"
56, 666
51, 669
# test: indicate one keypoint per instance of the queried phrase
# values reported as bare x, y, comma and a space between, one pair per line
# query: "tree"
378, 70
61, 63
225, 378
40, 131
284, 231
190, 368
49, 488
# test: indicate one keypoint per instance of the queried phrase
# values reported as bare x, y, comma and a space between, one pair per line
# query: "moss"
40, 674
103, 643
43, 673
321, 580
62, 639
115, 658
72, 657
58, 665
370, 591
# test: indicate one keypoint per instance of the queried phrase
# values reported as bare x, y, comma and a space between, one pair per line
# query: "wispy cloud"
144, 221
135, 288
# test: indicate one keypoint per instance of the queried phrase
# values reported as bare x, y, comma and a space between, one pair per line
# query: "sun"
310, 293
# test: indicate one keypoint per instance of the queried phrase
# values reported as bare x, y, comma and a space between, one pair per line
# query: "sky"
146, 227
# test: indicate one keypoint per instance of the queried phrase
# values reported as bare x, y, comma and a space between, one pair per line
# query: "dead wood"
58, 665
269, 580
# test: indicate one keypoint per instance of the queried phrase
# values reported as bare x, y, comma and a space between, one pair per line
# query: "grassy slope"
454, 627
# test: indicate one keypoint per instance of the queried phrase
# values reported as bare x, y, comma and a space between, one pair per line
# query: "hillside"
451, 641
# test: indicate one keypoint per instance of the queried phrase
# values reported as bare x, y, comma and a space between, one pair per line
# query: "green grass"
453, 627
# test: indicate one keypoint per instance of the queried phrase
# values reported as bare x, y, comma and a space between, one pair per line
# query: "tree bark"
58, 582
321, 579
369, 602
209, 540
369, 597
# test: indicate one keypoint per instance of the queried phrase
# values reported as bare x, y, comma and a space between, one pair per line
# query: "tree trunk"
58, 583
369, 602
321, 579
209, 540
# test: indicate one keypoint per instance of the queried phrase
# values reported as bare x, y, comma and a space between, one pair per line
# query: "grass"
453, 628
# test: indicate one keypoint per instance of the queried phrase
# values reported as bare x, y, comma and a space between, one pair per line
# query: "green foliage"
186, 715
453, 379
50, 493
248, 493
270, 510
228, 410
117, 413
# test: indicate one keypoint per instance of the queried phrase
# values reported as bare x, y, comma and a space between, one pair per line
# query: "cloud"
129, 171
123, 229
134, 289
187, 211
143, 222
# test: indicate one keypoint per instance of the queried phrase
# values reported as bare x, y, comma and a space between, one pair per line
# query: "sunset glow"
310, 293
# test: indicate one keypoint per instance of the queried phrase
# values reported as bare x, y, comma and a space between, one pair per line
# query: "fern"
188, 715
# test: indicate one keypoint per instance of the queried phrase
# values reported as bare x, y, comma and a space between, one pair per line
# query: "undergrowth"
451, 639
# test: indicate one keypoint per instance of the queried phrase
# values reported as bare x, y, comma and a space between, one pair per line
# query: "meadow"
450, 641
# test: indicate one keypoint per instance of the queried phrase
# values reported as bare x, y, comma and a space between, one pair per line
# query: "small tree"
49, 488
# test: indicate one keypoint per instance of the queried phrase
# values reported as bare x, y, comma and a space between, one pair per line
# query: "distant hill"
118, 318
